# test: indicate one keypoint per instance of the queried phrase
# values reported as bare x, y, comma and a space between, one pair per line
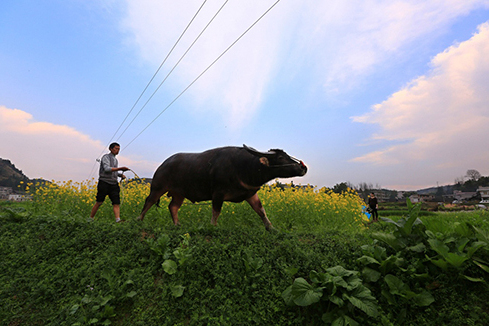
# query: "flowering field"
60, 268
289, 209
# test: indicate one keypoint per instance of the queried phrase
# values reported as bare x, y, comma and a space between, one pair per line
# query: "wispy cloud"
335, 43
236, 83
345, 41
442, 117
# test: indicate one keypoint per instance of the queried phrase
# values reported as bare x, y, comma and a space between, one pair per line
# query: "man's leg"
95, 209
117, 212
116, 201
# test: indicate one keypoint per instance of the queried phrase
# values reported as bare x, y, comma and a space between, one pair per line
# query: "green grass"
58, 269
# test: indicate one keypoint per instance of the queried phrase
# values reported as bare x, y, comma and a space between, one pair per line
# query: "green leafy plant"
408, 233
342, 292
94, 310
399, 293
455, 251
160, 246
182, 254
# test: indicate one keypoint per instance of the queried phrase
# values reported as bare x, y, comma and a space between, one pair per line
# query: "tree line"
470, 182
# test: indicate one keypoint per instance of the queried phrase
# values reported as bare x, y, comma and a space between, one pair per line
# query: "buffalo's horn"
255, 152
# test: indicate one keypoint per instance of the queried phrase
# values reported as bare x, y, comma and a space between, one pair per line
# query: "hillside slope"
10, 176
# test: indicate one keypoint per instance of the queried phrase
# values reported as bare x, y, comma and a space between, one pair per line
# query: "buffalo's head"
279, 163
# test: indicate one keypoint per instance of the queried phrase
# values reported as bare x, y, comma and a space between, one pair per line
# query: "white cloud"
53, 152
43, 149
338, 42
439, 120
345, 41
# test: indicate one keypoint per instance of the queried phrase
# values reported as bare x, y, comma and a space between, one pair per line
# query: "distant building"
382, 196
400, 195
484, 192
421, 198
19, 197
463, 196
5, 192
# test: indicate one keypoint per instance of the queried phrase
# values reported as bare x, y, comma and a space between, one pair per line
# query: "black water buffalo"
222, 174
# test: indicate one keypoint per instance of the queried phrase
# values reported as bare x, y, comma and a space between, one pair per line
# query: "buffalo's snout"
303, 168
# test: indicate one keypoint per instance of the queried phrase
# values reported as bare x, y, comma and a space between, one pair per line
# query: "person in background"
373, 204
107, 182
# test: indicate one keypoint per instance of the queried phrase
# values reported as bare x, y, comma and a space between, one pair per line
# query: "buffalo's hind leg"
255, 203
174, 206
153, 198
217, 202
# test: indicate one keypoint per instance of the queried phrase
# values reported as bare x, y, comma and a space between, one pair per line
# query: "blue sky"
393, 93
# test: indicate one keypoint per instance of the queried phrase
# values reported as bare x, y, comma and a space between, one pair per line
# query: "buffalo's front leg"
255, 203
174, 206
217, 202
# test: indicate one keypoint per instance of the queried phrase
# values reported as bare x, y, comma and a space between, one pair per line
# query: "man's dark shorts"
105, 189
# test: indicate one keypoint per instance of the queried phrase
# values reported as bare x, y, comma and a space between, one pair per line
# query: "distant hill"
433, 190
10, 176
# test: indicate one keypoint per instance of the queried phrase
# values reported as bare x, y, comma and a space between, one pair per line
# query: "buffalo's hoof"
270, 228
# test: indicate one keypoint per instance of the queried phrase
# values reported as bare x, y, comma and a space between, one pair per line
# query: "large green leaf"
391, 240
304, 293
440, 263
482, 235
368, 260
169, 266
439, 246
456, 260
411, 220
420, 247
339, 281
321, 278
371, 275
288, 296
380, 253
340, 271
481, 263
391, 299
461, 243
344, 321
473, 279
474, 247
387, 265
362, 299
423, 299
177, 290
396, 286
388, 220
336, 300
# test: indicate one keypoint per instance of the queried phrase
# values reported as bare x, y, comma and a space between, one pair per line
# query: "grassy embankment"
59, 269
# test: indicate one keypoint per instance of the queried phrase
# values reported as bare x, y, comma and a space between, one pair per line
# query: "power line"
161, 65
151, 80
178, 62
202, 73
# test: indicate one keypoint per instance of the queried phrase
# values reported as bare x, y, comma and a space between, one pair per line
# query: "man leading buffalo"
107, 182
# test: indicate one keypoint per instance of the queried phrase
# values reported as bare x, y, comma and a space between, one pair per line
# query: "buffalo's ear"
264, 161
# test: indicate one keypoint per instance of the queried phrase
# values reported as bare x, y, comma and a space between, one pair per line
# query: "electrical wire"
178, 62
147, 85
203, 72
161, 65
